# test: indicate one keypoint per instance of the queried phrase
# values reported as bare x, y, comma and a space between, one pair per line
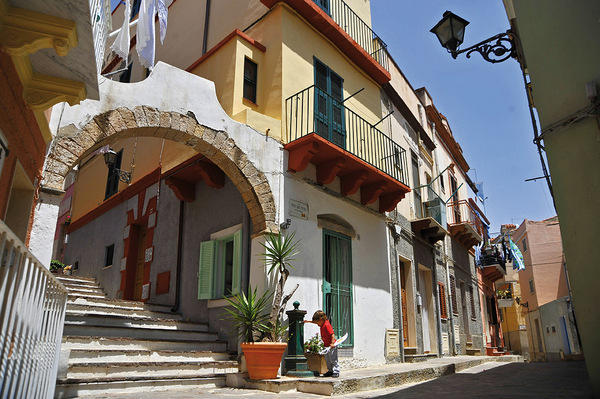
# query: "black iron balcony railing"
358, 30
491, 255
314, 111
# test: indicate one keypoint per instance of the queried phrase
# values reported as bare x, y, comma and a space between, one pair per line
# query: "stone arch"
72, 144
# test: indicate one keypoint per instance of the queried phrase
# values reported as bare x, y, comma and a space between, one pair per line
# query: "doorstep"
369, 378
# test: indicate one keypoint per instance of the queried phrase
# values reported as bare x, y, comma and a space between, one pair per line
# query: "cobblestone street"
490, 380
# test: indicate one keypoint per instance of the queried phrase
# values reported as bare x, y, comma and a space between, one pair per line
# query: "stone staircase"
114, 346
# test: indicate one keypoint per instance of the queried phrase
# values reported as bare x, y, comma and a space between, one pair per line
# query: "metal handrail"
32, 315
358, 30
352, 133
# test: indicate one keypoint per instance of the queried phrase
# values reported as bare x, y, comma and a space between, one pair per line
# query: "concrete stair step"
81, 310
132, 330
86, 290
410, 350
120, 321
117, 304
95, 343
421, 357
473, 351
81, 388
82, 284
115, 356
74, 278
127, 370
74, 295
370, 378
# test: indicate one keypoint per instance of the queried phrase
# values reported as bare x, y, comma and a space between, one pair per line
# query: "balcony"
493, 262
322, 131
430, 214
464, 223
336, 20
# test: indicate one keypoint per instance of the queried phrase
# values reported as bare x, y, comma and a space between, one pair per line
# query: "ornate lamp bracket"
495, 49
124, 176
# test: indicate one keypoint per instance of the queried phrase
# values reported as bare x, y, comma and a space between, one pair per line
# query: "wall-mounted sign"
298, 209
522, 327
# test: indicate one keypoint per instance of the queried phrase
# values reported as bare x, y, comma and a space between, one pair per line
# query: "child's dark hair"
319, 314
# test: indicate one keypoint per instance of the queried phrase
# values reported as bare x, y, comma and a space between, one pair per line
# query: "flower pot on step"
316, 362
263, 358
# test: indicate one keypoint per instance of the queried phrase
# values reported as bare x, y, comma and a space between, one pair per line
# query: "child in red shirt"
328, 337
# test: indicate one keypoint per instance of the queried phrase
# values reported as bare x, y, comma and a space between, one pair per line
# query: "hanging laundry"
121, 44
145, 33
163, 13
518, 263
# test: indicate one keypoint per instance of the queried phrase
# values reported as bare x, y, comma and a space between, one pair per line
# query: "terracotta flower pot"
263, 359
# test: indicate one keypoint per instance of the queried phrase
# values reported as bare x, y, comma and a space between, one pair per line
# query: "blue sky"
485, 103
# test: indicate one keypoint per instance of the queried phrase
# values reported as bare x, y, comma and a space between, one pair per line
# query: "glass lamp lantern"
450, 31
110, 158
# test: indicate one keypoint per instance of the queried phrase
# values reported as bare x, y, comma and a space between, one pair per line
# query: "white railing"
101, 24
32, 313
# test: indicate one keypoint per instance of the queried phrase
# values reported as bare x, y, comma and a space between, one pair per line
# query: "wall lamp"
110, 159
450, 31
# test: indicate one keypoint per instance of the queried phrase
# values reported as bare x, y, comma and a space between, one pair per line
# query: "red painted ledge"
328, 27
227, 38
354, 173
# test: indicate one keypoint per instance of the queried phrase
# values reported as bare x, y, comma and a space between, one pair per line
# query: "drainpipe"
438, 318
175, 307
206, 21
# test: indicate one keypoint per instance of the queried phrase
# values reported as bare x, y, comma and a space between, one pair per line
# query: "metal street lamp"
110, 159
450, 31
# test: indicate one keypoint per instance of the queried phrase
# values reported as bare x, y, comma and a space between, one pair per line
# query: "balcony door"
337, 283
456, 207
329, 111
324, 4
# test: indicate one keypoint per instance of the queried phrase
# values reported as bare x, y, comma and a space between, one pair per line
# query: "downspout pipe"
175, 307
206, 23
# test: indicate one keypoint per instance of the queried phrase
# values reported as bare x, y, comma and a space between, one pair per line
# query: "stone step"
80, 310
473, 351
134, 369
74, 278
115, 356
372, 377
96, 343
421, 357
104, 302
82, 284
120, 321
74, 388
134, 330
74, 295
86, 291
410, 350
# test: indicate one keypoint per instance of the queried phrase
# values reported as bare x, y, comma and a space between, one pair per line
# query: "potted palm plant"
249, 313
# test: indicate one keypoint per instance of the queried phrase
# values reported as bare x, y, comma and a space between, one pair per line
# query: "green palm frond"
248, 313
281, 251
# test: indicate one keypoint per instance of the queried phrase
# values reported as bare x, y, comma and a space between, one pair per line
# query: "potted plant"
68, 270
56, 266
312, 352
505, 299
250, 317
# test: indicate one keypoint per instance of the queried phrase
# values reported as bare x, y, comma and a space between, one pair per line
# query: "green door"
337, 284
329, 109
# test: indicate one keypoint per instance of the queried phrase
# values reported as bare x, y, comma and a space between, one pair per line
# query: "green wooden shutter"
206, 269
236, 279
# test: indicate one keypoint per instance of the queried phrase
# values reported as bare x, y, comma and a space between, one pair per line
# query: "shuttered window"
472, 299
442, 297
250, 79
219, 269
453, 295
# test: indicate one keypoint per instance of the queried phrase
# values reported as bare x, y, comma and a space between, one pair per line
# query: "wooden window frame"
453, 295
442, 298
211, 265
472, 299
248, 81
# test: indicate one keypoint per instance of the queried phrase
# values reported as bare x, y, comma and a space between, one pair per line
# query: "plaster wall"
564, 66
41, 239
87, 244
370, 266
558, 337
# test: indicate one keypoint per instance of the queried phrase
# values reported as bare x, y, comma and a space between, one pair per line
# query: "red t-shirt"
326, 333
